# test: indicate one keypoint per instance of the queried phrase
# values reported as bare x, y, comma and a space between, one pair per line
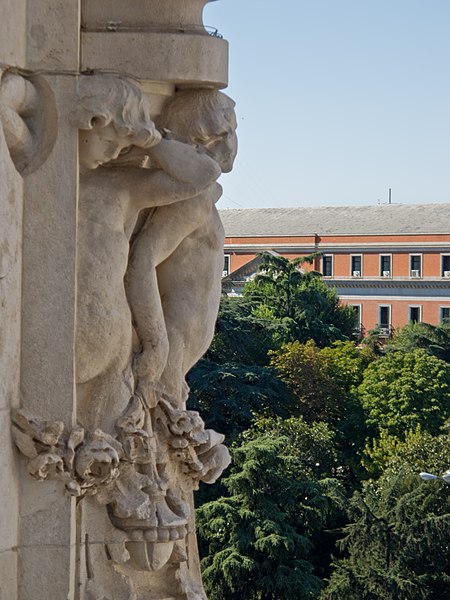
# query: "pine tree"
398, 542
257, 540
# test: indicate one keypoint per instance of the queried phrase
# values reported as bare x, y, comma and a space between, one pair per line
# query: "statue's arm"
180, 172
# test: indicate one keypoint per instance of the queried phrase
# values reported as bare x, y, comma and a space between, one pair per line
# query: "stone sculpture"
135, 446
110, 203
27, 113
177, 254
111, 256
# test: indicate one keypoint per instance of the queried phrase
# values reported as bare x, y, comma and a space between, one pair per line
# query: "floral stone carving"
127, 472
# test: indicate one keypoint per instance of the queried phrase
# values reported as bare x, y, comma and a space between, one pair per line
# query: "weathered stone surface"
152, 14
10, 484
110, 267
8, 574
11, 206
12, 32
52, 34
183, 59
11, 193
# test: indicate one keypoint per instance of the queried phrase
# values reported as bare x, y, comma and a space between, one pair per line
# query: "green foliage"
312, 444
301, 412
374, 341
380, 451
306, 371
324, 382
244, 333
257, 541
348, 363
434, 339
300, 301
404, 390
228, 396
397, 542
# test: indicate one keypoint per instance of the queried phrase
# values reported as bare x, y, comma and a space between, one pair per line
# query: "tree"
257, 540
312, 444
228, 396
300, 301
403, 390
244, 334
434, 339
306, 371
324, 383
397, 540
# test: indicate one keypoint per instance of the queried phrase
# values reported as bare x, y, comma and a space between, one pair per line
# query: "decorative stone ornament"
111, 252
27, 112
128, 473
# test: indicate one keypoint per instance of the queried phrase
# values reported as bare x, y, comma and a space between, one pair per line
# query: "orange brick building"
391, 262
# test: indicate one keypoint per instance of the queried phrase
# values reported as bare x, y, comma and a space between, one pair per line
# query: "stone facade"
113, 135
391, 262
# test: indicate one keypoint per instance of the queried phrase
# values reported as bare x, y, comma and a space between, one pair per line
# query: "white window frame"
389, 306
332, 264
441, 306
351, 266
229, 265
421, 264
419, 306
359, 306
390, 262
442, 263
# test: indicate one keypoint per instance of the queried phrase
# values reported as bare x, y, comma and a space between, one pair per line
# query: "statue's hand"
170, 155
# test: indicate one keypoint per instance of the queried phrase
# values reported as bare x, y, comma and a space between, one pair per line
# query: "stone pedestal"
109, 460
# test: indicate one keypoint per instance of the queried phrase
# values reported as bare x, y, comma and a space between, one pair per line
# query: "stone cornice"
356, 247
391, 284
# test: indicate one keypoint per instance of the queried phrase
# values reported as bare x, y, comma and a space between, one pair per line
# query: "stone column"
39, 240
101, 506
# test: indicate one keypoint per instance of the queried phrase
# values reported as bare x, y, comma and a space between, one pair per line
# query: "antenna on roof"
390, 196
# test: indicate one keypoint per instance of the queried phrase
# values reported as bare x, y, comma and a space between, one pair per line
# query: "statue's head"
112, 114
206, 118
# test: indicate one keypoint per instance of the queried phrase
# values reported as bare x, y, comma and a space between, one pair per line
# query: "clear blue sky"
338, 100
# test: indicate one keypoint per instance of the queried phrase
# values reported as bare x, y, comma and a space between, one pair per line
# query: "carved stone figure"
27, 113
173, 277
164, 450
128, 472
110, 261
136, 449
112, 115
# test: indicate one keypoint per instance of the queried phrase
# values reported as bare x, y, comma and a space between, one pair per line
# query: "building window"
384, 320
415, 314
358, 313
327, 265
226, 265
356, 265
445, 314
415, 262
385, 265
445, 265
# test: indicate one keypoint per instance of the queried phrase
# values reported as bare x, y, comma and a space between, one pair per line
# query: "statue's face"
222, 144
100, 144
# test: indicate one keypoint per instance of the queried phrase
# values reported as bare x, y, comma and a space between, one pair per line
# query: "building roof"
383, 219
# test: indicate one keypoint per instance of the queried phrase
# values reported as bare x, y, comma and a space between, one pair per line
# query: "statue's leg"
161, 234
103, 363
153, 350
189, 284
